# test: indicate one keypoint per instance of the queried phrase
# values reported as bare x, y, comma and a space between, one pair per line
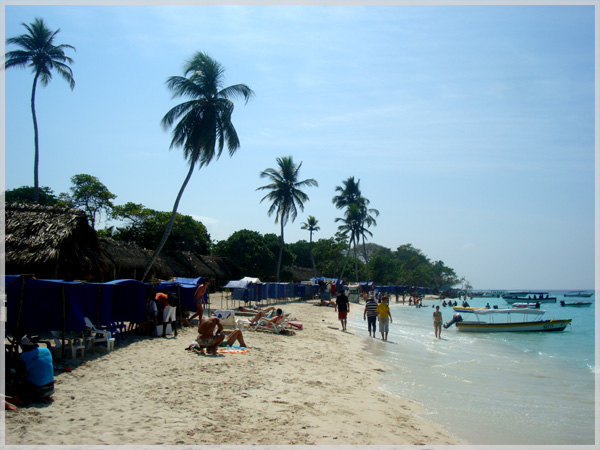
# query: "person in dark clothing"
342, 306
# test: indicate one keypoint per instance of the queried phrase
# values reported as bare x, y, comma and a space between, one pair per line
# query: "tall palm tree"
39, 53
366, 221
357, 216
350, 226
311, 226
205, 121
285, 194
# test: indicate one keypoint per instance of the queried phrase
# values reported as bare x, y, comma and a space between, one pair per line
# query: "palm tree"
357, 217
366, 221
350, 226
39, 53
311, 226
205, 121
285, 194
349, 193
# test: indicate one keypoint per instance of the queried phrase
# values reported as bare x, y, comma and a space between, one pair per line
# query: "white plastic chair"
73, 344
105, 336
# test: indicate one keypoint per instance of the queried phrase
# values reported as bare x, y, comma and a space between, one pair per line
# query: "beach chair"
73, 345
227, 318
100, 336
273, 327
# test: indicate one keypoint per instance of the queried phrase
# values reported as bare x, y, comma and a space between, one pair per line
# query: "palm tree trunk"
347, 256
36, 160
312, 258
169, 225
356, 259
366, 258
280, 254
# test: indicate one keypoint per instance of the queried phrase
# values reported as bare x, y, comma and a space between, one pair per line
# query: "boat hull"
579, 294
579, 304
511, 300
540, 325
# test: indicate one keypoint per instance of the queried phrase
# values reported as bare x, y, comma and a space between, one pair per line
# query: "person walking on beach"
437, 322
385, 316
370, 315
342, 307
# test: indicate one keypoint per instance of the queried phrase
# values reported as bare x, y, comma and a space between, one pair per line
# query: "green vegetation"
144, 227
26, 194
88, 193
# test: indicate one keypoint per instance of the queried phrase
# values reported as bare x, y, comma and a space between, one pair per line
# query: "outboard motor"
562, 303
455, 319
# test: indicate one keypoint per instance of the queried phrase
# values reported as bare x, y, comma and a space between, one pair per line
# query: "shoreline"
317, 387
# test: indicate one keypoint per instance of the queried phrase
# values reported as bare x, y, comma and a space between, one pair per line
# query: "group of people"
161, 311
375, 312
379, 312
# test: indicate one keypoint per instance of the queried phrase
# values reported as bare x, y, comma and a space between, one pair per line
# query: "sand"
318, 386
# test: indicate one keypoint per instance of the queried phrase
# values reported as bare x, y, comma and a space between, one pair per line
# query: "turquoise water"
531, 388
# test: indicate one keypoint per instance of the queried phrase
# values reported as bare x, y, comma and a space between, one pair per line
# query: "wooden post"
179, 305
98, 304
19, 309
64, 321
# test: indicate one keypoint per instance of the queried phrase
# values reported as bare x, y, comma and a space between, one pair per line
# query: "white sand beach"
318, 386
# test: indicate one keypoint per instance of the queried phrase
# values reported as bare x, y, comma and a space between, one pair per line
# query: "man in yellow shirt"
385, 317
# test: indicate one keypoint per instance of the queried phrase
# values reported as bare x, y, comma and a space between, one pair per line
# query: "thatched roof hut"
127, 260
298, 274
51, 242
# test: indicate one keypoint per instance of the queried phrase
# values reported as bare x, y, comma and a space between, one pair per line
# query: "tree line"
256, 254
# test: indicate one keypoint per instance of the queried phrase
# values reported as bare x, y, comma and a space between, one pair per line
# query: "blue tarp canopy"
185, 288
43, 302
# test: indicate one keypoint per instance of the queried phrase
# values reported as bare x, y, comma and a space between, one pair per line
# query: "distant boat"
579, 294
496, 320
487, 294
563, 303
528, 297
526, 305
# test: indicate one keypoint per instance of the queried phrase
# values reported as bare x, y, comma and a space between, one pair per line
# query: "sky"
470, 128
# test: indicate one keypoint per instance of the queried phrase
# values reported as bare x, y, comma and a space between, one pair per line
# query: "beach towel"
297, 325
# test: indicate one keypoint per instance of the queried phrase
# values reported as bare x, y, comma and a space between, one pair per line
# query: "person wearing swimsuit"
437, 322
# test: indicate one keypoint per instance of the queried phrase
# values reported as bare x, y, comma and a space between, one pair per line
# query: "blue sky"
471, 128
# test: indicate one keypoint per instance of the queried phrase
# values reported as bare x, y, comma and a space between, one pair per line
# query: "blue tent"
46, 305
41, 305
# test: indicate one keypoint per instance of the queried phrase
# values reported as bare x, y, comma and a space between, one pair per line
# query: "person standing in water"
437, 322
385, 317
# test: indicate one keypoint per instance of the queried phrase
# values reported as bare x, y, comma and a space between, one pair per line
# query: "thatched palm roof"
51, 242
299, 274
127, 260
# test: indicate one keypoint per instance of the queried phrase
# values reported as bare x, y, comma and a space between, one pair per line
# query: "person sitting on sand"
207, 336
327, 302
35, 368
211, 340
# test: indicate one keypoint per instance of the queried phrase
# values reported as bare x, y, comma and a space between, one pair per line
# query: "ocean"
534, 388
